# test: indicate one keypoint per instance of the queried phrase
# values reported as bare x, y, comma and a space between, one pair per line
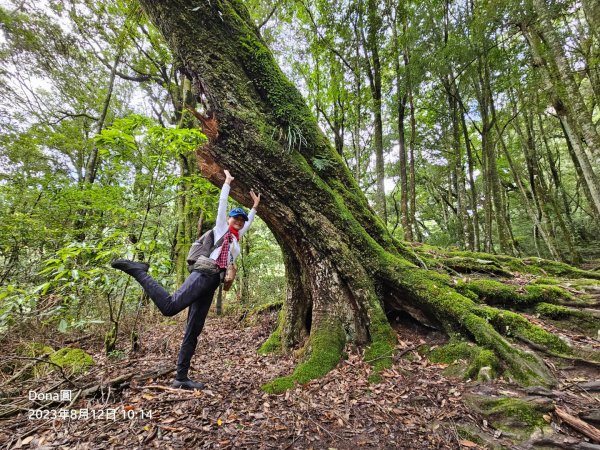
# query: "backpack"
203, 246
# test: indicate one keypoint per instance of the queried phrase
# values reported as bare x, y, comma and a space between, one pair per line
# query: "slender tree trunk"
525, 195
492, 180
373, 63
358, 121
91, 167
458, 168
559, 191
573, 98
401, 114
412, 209
412, 223
592, 13
474, 242
558, 185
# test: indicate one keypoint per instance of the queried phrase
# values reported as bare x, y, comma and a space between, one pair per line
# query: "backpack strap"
217, 244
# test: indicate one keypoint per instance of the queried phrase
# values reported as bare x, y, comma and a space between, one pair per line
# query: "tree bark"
344, 270
412, 221
592, 13
493, 198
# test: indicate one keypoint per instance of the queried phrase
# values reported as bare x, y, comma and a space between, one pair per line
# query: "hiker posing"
220, 249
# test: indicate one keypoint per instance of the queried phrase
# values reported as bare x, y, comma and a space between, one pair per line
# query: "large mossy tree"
345, 273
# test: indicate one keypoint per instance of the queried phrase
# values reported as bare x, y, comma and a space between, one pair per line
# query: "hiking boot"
128, 266
187, 384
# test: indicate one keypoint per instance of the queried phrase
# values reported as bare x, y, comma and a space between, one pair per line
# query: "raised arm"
221, 221
252, 213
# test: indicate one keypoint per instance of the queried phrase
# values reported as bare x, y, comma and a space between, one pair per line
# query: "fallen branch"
19, 373
44, 359
121, 381
164, 388
578, 424
566, 443
590, 386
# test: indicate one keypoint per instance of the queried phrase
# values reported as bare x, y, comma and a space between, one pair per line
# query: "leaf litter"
415, 406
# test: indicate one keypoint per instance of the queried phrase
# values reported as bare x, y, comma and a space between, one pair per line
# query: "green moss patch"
496, 293
546, 280
467, 359
380, 353
73, 360
36, 350
273, 344
471, 265
569, 318
325, 351
517, 417
510, 413
271, 306
513, 324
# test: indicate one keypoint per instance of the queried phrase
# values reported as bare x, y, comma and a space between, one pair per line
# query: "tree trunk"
573, 99
457, 166
493, 199
343, 267
91, 166
580, 158
373, 64
475, 243
412, 209
592, 13
559, 189
401, 112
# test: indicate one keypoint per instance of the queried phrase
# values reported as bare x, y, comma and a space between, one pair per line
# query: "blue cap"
236, 212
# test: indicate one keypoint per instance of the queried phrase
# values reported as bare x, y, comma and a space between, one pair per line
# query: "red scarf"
234, 232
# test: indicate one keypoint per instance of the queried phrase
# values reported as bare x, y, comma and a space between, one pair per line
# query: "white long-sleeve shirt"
221, 226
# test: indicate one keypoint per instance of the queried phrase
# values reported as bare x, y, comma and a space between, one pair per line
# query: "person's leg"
190, 291
196, 318
195, 323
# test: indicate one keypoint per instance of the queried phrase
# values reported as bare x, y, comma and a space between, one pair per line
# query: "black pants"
197, 292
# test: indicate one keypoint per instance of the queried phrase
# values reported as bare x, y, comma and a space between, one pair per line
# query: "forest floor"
415, 406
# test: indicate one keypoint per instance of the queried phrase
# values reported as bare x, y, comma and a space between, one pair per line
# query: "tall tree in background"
371, 44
